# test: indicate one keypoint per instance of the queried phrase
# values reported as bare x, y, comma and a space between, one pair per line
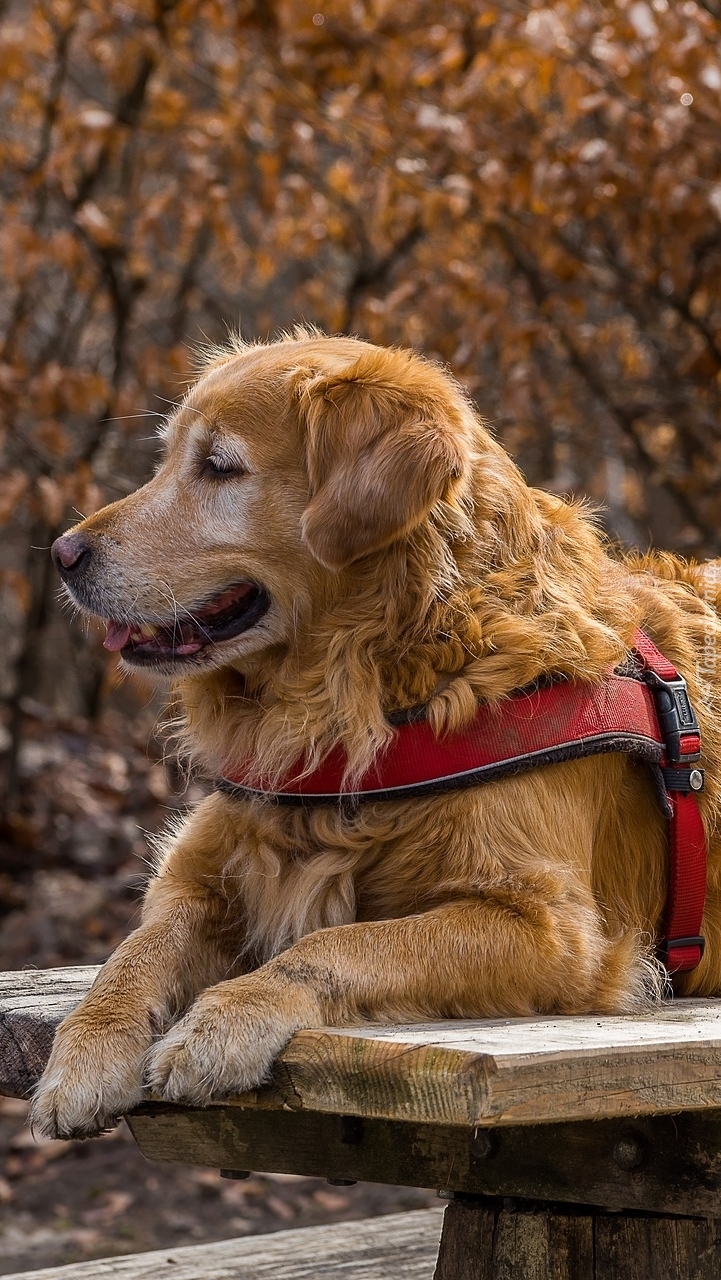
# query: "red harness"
644, 711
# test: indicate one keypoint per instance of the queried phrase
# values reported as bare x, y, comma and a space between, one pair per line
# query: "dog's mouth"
183, 639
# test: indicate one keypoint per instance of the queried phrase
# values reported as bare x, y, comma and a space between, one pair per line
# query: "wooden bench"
402, 1246
569, 1148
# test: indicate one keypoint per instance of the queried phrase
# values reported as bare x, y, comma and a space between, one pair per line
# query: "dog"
333, 537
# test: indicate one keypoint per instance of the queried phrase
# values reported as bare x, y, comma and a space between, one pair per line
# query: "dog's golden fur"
407, 562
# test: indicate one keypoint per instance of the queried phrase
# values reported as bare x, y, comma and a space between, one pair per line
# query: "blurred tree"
531, 194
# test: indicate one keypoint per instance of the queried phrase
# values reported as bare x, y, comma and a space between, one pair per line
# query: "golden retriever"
333, 536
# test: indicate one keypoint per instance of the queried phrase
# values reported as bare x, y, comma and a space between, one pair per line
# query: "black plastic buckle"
675, 944
676, 716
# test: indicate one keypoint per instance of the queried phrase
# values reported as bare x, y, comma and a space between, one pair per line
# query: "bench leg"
502, 1240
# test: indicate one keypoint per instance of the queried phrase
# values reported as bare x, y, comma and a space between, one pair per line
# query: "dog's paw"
94, 1076
227, 1043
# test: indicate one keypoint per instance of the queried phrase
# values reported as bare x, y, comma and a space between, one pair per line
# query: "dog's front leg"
184, 943
467, 959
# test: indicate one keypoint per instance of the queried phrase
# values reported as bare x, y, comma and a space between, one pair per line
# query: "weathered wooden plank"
511, 1071
540, 1242
664, 1164
32, 1003
643, 1248
466, 1248
495, 1071
488, 1242
398, 1247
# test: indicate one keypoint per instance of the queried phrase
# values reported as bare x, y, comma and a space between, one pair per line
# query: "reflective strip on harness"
649, 717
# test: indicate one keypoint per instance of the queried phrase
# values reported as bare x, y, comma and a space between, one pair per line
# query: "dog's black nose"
70, 552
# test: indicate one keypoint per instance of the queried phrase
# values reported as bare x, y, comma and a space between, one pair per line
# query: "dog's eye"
217, 465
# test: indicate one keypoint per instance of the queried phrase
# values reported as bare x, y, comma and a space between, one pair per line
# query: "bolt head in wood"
484, 1144
629, 1152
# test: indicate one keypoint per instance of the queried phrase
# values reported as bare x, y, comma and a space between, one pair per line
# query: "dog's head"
285, 466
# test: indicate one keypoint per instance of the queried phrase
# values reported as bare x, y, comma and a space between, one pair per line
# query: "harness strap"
682, 946
559, 722
647, 715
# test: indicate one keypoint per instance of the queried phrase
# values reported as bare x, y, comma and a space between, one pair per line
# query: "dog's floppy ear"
386, 440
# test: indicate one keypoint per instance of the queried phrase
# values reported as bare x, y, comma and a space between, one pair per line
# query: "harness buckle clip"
676, 717
677, 944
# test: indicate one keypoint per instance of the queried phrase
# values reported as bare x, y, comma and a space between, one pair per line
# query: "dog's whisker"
175, 404
128, 417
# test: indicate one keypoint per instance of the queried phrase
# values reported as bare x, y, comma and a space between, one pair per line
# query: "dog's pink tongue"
116, 636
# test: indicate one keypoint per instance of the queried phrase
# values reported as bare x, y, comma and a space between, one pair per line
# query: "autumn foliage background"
531, 195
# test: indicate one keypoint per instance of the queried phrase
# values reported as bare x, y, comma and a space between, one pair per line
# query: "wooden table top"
498, 1071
